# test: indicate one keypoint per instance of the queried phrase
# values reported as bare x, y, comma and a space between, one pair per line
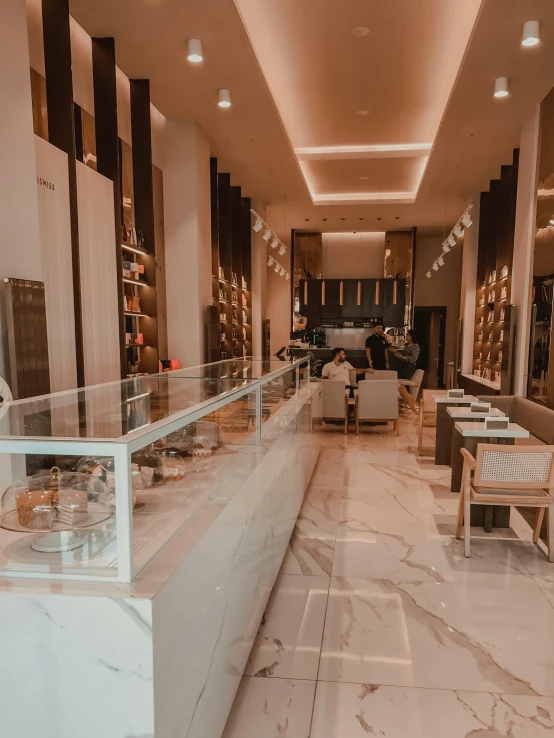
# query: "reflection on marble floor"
379, 626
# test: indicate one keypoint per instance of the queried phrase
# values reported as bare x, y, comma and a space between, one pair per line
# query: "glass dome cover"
55, 502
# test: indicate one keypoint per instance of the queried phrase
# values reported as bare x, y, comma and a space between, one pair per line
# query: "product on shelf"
221, 273
502, 315
492, 277
504, 272
503, 293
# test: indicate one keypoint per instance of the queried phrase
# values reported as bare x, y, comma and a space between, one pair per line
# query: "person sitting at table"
408, 358
339, 369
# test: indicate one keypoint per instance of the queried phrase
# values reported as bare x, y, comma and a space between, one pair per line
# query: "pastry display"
70, 506
35, 509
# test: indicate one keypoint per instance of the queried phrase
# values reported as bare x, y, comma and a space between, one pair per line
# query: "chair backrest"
381, 374
418, 379
5, 392
333, 395
378, 399
514, 467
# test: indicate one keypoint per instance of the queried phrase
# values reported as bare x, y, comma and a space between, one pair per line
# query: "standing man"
376, 349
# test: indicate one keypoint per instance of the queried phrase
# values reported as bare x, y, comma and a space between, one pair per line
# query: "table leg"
443, 443
459, 442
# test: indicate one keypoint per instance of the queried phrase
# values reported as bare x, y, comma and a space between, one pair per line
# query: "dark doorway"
430, 326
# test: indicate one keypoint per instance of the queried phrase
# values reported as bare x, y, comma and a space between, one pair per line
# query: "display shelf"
135, 282
134, 249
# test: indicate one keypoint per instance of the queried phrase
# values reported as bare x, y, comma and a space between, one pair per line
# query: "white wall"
19, 225
187, 239
522, 276
353, 255
443, 289
470, 247
100, 309
55, 243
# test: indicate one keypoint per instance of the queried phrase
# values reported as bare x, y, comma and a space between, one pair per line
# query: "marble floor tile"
309, 556
439, 635
268, 708
430, 554
319, 513
288, 644
359, 710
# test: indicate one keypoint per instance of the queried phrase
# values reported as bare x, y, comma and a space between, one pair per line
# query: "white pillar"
186, 177
524, 242
19, 229
468, 291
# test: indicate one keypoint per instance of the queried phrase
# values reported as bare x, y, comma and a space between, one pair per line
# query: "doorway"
430, 326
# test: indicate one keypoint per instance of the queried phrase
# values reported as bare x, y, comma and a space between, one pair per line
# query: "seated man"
339, 368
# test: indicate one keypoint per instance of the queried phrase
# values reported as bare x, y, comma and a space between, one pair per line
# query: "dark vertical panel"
246, 238
214, 228
224, 229
484, 234
61, 133
236, 265
108, 153
144, 213
79, 148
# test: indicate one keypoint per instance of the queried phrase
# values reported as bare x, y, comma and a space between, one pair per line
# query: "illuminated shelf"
134, 249
135, 281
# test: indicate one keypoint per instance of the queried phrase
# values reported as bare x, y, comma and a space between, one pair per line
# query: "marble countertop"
454, 400
459, 414
478, 430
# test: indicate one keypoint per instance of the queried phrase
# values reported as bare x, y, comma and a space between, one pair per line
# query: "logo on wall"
45, 183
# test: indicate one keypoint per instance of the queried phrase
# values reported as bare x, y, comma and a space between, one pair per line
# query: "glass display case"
95, 482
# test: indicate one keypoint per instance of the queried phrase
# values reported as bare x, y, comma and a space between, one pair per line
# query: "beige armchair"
334, 401
377, 400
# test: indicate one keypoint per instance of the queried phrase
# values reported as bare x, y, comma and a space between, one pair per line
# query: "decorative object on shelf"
503, 292
504, 272
501, 335
502, 315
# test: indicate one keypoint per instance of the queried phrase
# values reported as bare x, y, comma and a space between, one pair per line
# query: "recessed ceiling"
404, 70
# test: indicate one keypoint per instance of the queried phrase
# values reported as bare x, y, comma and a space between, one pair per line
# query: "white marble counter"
478, 430
454, 400
463, 414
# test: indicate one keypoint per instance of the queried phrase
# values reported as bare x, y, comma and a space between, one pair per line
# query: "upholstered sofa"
535, 418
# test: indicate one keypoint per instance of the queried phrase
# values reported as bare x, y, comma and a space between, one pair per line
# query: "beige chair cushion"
333, 396
378, 400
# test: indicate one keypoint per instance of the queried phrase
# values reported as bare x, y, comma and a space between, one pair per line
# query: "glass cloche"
56, 502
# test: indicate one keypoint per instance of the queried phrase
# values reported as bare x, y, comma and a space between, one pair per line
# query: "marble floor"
378, 626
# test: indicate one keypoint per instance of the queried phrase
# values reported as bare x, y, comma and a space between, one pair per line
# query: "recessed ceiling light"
360, 32
224, 98
362, 177
361, 218
363, 112
343, 218
195, 50
378, 218
530, 33
501, 87
397, 217
324, 219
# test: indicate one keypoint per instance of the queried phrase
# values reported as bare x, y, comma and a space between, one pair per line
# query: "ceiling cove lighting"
224, 98
501, 87
530, 33
195, 51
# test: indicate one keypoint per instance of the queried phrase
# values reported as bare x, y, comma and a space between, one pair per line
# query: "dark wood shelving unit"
231, 246
493, 311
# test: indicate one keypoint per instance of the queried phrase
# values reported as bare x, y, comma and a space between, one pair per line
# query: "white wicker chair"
508, 475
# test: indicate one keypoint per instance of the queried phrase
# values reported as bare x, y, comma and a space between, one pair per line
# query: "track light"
195, 51
282, 272
224, 98
440, 261
428, 275
451, 239
466, 220
274, 242
501, 87
445, 247
277, 267
341, 293
270, 261
435, 267
551, 221
457, 230
258, 225
282, 249
530, 33
267, 235
287, 276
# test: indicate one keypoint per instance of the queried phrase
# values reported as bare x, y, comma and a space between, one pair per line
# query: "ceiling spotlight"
287, 276
440, 261
501, 87
195, 51
363, 112
258, 225
530, 33
435, 267
360, 32
428, 275
267, 235
551, 221
445, 247
224, 98
451, 240
362, 177
277, 268
466, 220
282, 272
274, 242
457, 230
282, 250
270, 261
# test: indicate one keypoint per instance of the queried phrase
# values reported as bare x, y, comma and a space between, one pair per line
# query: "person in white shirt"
339, 368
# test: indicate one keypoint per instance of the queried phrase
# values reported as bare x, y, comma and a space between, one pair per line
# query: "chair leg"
467, 525
460, 515
538, 524
346, 417
550, 534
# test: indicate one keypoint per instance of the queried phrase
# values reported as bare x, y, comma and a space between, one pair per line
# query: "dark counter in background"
356, 357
